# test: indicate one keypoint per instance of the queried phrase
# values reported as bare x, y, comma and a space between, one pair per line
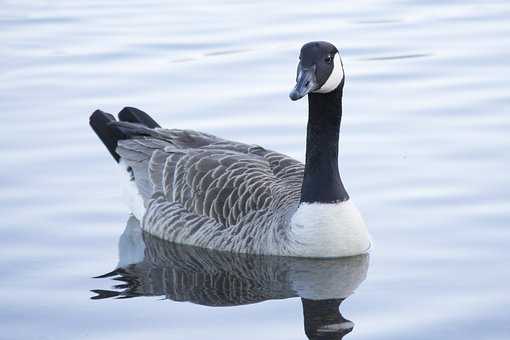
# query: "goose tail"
132, 122
133, 115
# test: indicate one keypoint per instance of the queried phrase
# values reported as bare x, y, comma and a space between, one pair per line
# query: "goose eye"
328, 59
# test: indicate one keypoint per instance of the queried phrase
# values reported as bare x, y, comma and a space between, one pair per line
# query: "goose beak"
305, 83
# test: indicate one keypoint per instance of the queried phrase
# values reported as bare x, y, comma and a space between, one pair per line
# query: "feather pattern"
209, 192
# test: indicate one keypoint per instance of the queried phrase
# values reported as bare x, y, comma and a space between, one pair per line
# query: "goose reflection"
149, 266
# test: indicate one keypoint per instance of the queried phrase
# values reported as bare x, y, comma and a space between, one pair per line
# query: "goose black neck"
321, 182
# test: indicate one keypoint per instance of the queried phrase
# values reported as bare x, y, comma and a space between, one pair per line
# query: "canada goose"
197, 189
149, 266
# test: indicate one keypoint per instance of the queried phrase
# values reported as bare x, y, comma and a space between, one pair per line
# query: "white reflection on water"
149, 266
424, 152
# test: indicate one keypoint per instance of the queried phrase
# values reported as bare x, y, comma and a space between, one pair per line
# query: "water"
424, 154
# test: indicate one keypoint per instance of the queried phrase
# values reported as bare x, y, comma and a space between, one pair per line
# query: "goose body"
194, 188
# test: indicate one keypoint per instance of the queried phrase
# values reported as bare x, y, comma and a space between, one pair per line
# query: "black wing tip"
132, 123
100, 122
134, 115
128, 130
99, 116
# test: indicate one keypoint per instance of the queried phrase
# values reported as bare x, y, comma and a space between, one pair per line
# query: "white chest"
329, 230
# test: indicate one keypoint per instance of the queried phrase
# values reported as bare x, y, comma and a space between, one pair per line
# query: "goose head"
320, 69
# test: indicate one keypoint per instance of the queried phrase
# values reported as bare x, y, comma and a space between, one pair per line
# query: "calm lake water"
424, 154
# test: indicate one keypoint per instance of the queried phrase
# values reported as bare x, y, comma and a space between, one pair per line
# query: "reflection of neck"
321, 182
323, 319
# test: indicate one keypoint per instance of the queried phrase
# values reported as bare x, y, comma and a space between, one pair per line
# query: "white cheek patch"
335, 78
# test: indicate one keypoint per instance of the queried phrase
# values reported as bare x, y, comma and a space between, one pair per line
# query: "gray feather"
209, 192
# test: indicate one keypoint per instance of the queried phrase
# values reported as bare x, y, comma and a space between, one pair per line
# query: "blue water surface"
424, 155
